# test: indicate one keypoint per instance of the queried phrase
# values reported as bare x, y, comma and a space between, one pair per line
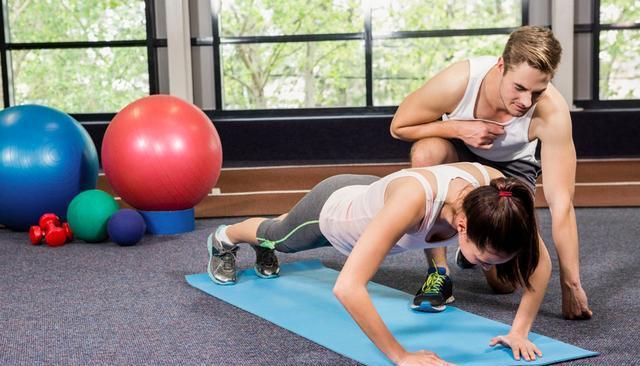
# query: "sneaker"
267, 265
461, 261
222, 259
436, 292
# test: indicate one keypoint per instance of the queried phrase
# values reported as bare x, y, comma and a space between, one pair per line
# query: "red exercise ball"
161, 153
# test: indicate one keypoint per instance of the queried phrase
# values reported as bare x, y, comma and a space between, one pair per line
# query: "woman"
366, 218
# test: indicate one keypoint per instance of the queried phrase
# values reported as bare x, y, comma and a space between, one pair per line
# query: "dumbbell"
50, 230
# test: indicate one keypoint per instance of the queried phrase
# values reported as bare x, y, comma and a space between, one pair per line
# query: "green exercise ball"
89, 213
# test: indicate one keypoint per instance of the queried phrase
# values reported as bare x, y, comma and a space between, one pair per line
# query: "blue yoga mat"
301, 300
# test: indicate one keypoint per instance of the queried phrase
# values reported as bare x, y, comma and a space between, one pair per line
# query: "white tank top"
349, 210
514, 144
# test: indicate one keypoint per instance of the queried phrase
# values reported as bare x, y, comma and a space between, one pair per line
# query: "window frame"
594, 29
151, 43
366, 35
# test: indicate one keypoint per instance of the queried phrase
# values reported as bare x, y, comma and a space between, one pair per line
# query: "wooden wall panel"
274, 190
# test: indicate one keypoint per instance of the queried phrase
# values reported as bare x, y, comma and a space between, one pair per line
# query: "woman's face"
485, 258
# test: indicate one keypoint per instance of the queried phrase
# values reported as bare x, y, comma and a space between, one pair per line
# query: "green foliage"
411, 15
279, 17
78, 80
81, 80
293, 75
75, 20
332, 74
402, 66
619, 11
282, 75
619, 64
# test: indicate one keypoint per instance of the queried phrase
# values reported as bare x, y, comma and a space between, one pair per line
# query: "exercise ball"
126, 227
46, 159
89, 213
161, 153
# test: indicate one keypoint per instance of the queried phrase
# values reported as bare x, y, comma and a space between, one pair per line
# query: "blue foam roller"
169, 222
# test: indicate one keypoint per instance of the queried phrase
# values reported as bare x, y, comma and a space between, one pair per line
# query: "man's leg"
428, 152
498, 286
432, 151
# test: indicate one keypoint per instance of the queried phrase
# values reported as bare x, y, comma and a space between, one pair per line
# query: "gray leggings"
300, 229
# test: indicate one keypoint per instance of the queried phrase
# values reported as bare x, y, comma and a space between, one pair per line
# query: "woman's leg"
292, 232
245, 231
300, 229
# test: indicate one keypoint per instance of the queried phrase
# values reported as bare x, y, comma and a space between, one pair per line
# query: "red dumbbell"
50, 230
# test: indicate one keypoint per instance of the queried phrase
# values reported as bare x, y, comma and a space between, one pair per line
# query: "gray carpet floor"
101, 304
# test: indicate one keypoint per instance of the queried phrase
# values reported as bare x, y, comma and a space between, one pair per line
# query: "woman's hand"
422, 358
519, 345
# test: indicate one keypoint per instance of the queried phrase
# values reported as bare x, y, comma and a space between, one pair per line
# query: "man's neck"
490, 105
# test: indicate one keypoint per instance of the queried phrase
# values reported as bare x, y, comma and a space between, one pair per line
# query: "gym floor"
103, 304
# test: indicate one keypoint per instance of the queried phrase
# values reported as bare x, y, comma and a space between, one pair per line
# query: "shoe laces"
228, 261
434, 282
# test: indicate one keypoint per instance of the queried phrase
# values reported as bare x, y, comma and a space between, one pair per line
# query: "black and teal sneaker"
435, 293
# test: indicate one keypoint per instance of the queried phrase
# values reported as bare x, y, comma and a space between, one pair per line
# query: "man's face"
521, 87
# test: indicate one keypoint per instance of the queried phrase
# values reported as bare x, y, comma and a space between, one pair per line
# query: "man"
494, 111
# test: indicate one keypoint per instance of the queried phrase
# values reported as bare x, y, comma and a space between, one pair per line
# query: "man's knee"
432, 151
500, 287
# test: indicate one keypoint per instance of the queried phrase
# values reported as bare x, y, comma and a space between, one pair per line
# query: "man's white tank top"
514, 144
349, 210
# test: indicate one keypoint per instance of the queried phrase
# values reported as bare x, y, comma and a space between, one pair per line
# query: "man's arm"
413, 119
418, 116
558, 160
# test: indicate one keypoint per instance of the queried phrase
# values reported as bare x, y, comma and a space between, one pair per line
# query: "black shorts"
526, 171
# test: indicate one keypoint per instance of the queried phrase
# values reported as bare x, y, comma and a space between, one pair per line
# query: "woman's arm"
403, 209
517, 338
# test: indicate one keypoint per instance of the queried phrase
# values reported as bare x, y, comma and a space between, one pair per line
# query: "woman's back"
349, 210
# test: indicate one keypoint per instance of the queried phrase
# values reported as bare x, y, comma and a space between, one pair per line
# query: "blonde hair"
534, 45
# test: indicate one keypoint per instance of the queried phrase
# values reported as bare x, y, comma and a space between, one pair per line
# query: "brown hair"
534, 45
501, 218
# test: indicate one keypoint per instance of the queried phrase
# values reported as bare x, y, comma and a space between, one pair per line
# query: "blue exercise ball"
126, 227
46, 159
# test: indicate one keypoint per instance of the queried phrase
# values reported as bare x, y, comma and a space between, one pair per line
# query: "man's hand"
478, 133
422, 358
519, 345
574, 303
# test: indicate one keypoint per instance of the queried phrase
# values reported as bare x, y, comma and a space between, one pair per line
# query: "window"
346, 53
291, 54
413, 42
80, 56
619, 43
